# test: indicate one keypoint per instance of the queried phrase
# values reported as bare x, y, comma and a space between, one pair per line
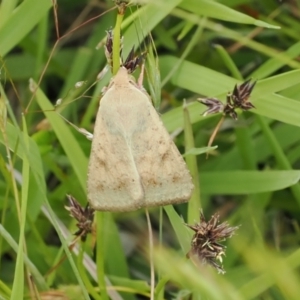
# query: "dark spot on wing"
100, 186
176, 177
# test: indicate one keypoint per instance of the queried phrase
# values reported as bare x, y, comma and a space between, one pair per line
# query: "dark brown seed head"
239, 98
241, 93
205, 245
214, 105
132, 62
84, 217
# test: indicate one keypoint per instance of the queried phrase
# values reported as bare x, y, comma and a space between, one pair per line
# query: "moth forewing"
134, 162
163, 172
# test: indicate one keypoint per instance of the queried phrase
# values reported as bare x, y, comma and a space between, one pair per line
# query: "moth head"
123, 78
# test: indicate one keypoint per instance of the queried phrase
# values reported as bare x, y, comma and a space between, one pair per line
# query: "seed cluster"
206, 247
84, 216
238, 98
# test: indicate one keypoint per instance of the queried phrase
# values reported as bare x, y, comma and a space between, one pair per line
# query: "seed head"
205, 245
84, 216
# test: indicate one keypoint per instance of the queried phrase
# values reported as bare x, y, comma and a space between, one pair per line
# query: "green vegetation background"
204, 48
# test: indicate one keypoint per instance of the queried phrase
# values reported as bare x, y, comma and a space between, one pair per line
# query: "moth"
133, 163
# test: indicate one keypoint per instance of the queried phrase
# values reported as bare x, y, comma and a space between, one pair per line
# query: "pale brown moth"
133, 163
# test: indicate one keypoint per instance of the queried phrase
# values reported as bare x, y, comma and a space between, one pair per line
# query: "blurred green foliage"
251, 179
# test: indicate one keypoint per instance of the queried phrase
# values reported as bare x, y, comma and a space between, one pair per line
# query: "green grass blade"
38, 277
247, 182
18, 285
62, 130
194, 203
274, 64
100, 255
26, 16
183, 234
6, 9
216, 10
148, 17
207, 82
281, 158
